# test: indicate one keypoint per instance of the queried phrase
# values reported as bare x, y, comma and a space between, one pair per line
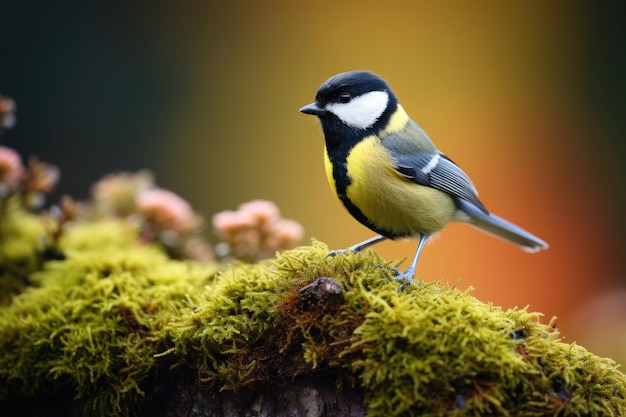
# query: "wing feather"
434, 170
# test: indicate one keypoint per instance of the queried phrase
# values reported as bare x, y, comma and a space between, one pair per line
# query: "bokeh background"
529, 98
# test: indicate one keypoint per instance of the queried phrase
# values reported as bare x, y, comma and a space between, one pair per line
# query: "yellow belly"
390, 201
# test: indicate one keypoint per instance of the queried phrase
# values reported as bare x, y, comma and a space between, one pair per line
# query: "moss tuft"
91, 321
22, 241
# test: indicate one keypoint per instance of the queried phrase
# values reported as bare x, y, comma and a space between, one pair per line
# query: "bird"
388, 173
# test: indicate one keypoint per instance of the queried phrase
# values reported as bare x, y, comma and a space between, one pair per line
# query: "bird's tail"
499, 227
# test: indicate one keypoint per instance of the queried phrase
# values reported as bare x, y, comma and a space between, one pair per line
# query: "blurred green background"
529, 98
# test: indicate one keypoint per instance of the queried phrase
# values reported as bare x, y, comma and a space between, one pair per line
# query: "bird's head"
357, 101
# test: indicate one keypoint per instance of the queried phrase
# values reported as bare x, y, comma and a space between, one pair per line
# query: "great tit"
388, 173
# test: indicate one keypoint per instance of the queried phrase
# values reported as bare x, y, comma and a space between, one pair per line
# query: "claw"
410, 272
394, 271
338, 252
406, 276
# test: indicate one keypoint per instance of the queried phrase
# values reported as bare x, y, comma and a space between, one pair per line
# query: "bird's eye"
345, 97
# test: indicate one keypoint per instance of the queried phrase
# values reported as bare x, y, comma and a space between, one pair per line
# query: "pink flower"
229, 223
117, 193
263, 211
167, 209
288, 233
283, 234
255, 231
11, 169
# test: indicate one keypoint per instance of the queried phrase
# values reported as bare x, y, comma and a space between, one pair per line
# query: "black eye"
345, 97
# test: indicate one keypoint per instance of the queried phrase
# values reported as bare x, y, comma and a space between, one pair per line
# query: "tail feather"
499, 227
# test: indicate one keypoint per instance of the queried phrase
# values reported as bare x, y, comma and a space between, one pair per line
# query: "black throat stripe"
342, 182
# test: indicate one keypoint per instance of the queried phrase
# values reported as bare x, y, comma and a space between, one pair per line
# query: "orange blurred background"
528, 98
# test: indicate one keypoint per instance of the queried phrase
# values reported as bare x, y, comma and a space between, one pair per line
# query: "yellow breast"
387, 199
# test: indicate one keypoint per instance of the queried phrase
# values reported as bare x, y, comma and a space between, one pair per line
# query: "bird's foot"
406, 276
339, 252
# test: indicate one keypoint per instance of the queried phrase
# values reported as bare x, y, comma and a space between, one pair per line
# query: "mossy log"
114, 327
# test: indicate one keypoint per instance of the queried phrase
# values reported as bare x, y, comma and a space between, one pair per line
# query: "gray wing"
437, 171
418, 160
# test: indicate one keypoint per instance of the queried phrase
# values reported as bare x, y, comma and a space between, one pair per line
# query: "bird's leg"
358, 247
410, 272
366, 243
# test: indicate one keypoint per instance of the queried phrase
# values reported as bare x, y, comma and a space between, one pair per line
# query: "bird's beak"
313, 109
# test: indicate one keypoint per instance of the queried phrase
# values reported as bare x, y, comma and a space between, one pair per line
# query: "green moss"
111, 316
231, 317
92, 321
22, 242
424, 350
85, 237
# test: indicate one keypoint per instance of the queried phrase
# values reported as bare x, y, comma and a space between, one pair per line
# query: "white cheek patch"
362, 111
